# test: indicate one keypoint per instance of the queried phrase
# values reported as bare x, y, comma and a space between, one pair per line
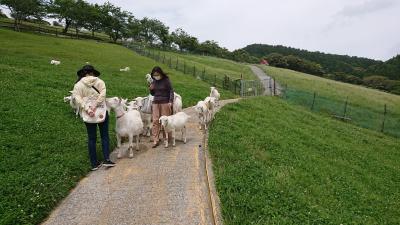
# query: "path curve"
156, 186
267, 81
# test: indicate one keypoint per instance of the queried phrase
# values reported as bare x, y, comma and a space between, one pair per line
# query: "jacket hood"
89, 80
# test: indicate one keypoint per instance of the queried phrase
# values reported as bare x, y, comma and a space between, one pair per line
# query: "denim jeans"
105, 141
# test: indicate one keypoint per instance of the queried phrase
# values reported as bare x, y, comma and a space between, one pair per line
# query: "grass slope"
212, 65
281, 164
359, 95
42, 145
365, 108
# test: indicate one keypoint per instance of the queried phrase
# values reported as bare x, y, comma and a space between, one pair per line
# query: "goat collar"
123, 114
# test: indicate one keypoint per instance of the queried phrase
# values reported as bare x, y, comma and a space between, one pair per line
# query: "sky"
365, 28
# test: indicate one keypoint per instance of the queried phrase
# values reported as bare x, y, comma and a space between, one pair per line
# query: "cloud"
366, 7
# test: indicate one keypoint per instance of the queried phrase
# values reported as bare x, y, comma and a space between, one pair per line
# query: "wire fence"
238, 86
383, 119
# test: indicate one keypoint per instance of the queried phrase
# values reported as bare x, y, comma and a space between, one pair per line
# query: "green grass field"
43, 146
365, 105
212, 65
277, 163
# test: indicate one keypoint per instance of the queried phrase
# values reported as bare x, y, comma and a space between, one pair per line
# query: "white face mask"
157, 77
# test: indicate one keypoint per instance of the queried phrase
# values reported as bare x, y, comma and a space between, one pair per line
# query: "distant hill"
332, 63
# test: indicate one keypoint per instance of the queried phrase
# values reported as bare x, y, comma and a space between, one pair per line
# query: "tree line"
356, 70
117, 24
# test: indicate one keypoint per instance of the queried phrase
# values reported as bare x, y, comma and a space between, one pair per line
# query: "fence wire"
244, 88
382, 119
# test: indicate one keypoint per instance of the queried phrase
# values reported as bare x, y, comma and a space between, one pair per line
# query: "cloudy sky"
368, 28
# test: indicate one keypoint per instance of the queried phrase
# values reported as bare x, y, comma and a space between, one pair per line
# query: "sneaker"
96, 167
108, 163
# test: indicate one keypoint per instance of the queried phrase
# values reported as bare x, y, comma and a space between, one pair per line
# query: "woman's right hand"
91, 111
151, 86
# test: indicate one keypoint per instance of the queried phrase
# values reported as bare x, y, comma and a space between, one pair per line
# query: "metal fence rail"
238, 86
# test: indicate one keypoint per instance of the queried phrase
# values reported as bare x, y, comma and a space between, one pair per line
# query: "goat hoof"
130, 155
119, 155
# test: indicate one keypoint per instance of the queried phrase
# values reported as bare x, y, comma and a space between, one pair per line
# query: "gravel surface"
156, 186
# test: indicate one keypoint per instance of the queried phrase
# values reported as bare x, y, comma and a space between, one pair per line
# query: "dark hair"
86, 70
158, 70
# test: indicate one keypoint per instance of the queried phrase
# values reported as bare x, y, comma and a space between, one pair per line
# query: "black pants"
105, 140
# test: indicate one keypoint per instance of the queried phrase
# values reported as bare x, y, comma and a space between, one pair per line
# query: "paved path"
156, 186
267, 81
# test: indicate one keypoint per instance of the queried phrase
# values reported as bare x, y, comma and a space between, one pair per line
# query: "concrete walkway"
156, 186
267, 81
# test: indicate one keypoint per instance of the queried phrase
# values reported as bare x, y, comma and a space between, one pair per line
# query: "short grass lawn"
277, 163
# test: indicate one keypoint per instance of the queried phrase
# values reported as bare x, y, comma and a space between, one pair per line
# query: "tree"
278, 60
21, 10
93, 18
114, 21
209, 47
153, 30
80, 15
63, 10
184, 40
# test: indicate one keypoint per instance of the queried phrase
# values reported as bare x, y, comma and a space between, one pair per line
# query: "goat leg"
119, 146
130, 146
166, 139
137, 142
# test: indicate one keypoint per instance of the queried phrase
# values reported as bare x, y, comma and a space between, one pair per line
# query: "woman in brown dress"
163, 93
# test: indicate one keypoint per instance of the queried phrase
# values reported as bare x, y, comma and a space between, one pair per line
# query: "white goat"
149, 79
177, 105
214, 93
55, 62
172, 124
72, 103
203, 113
128, 124
211, 104
146, 116
126, 69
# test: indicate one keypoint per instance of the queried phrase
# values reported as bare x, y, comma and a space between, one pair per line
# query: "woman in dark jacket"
163, 93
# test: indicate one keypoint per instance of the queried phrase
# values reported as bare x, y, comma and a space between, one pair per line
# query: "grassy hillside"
365, 107
330, 62
281, 164
212, 65
42, 145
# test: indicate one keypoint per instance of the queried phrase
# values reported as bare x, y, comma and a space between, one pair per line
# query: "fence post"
241, 88
274, 87
345, 107
255, 88
204, 72
384, 118
56, 32
194, 70
170, 62
177, 63
184, 67
215, 80
163, 60
313, 102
